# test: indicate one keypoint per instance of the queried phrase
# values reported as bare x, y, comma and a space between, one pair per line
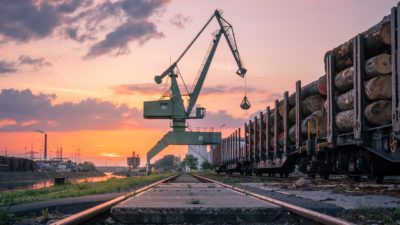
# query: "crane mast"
174, 109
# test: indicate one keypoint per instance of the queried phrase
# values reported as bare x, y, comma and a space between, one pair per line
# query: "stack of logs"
313, 98
377, 84
378, 90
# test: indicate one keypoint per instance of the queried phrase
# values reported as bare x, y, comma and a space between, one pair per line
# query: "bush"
206, 165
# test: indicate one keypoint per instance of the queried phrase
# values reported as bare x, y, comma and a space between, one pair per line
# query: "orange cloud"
110, 154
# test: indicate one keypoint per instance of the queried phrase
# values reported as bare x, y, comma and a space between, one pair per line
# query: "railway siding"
186, 200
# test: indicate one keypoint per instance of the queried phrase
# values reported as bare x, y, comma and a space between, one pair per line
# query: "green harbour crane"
171, 105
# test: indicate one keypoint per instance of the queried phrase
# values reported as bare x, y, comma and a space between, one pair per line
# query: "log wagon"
346, 122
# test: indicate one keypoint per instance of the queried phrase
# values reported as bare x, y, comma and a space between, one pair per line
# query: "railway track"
185, 184
98, 211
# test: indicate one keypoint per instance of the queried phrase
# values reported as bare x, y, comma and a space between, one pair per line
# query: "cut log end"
379, 112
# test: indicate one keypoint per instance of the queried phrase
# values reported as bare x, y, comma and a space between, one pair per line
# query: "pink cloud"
7, 122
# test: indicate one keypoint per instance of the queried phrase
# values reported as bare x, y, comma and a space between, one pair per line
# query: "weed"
195, 201
45, 214
371, 215
5, 216
397, 211
339, 189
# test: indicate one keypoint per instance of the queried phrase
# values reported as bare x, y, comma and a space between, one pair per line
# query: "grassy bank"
74, 190
46, 175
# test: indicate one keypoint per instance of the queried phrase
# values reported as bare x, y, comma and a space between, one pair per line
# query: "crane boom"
231, 40
159, 78
199, 84
227, 30
225, 27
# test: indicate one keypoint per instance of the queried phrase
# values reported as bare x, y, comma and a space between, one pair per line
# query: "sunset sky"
81, 69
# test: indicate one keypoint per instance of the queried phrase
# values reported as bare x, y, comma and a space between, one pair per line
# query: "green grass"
74, 190
195, 201
372, 215
5, 216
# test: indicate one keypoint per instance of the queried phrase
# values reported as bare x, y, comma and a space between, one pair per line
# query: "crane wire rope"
245, 105
183, 81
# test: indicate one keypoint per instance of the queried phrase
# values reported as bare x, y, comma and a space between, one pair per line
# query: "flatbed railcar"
263, 145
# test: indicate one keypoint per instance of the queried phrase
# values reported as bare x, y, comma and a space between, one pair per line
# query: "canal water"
30, 185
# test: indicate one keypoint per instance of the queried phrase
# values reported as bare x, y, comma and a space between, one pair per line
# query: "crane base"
182, 138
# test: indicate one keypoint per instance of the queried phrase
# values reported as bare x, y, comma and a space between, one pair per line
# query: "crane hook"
245, 105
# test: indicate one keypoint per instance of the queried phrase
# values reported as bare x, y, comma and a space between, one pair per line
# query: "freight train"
346, 122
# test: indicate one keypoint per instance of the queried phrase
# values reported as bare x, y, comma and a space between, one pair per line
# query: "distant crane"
59, 154
31, 153
77, 154
171, 106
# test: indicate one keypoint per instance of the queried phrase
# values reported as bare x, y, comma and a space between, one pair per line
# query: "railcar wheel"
354, 178
311, 176
325, 176
379, 179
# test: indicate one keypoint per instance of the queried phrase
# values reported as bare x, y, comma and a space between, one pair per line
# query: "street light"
220, 127
45, 143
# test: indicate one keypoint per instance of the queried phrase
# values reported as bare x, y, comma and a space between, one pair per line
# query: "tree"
167, 163
87, 166
206, 165
191, 162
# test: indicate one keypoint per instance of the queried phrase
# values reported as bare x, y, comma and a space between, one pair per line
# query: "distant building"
133, 161
57, 164
16, 164
200, 152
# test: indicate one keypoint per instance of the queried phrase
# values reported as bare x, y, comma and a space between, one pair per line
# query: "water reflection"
25, 185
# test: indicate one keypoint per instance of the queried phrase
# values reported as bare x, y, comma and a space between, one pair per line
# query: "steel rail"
309, 214
90, 213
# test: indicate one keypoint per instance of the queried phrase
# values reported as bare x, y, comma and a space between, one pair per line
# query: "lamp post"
45, 143
220, 127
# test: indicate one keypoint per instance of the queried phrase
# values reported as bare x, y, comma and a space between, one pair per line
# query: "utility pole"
32, 156
77, 155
